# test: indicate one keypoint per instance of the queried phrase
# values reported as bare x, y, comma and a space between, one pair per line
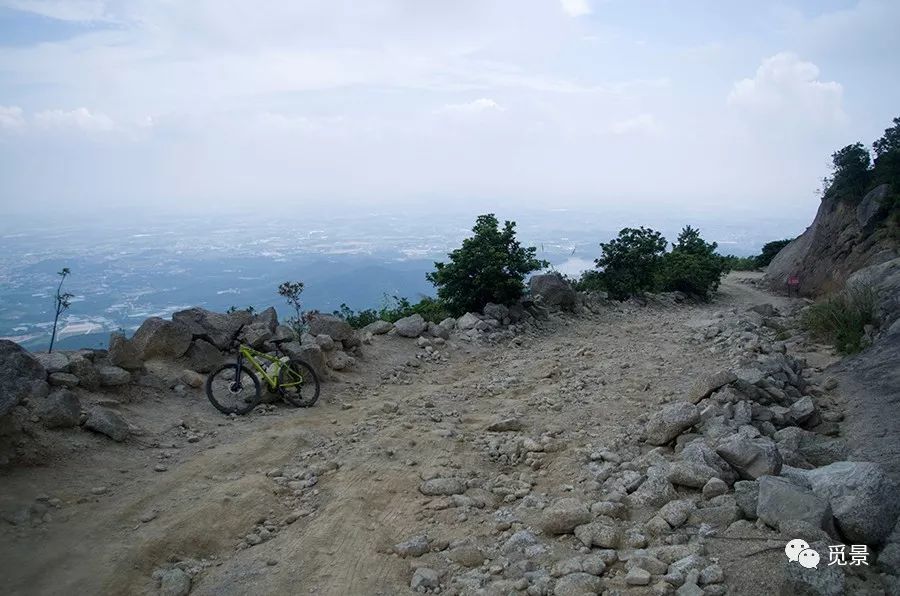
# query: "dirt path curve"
588, 380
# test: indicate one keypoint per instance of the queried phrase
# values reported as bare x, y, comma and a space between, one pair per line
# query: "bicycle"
234, 388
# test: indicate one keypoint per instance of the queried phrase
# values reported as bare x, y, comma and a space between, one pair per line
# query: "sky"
725, 108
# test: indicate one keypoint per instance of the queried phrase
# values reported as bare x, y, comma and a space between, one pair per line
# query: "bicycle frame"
251, 355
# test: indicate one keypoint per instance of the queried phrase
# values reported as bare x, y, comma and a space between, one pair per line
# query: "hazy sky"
732, 107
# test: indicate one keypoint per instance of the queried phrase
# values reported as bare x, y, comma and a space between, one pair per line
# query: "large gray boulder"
411, 326
158, 338
781, 501
467, 321
310, 353
123, 353
20, 373
799, 447
822, 580
865, 502
751, 457
553, 290
699, 453
672, 420
336, 327
378, 327
107, 422
53, 362
111, 376
219, 329
60, 409
564, 515
704, 386
84, 369
203, 356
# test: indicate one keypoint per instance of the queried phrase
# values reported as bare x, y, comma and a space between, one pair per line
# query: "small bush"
590, 281
769, 250
693, 267
489, 267
630, 262
840, 319
394, 309
733, 263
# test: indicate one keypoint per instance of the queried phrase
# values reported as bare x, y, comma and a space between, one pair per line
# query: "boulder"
864, 501
52, 362
467, 321
62, 379
699, 453
495, 311
443, 486
158, 338
751, 457
325, 342
655, 491
781, 501
672, 420
268, 317
554, 290
336, 327
174, 582
84, 369
310, 353
203, 356
219, 329
436, 330
746, 496
256, 335
578, 584
123, 353
60, 409
107, 422
20, 372
706, 384
378, 327
111, 376
413, 547
564, 515
799, 447
599, 533
425, 578
821, 580
411, 326
340, 360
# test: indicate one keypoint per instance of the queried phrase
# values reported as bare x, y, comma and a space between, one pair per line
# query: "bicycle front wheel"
298, 384
233, 390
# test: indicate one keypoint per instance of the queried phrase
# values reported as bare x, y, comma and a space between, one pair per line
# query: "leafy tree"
489, 267
61, 303
631, 261
734, 263
291, 291
693, 267
889, 142
590, 281
850, 174
769, 250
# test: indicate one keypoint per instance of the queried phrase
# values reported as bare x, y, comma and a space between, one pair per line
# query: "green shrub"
840, 319
489, 267
693, 267
394, 309
630, 262
733, 263
769, 250
590, 281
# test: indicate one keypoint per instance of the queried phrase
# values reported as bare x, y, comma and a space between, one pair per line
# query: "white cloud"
11, 118
643, 124
62, 10
78, 119
575, 8
482, 104
786, 86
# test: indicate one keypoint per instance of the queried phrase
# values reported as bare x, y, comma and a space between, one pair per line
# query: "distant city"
124, 273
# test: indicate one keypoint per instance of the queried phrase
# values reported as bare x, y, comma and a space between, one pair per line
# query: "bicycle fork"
240, 370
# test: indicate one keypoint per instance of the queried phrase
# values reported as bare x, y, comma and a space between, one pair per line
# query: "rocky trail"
557, 460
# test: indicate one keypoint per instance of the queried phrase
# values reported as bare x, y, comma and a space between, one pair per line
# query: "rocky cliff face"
845, 237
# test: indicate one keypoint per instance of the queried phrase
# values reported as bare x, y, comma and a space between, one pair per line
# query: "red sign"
793, 280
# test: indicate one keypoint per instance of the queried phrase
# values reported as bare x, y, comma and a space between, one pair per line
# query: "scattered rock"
553, 290
123, 353
61, 379
111, 376
107, 422
670, 422
714, 487
823, 580
378, 327
19, 370
751, 458
706, 384
505, 425
335, 327
443, 486
637, 577
414, 547
203, 356
411, 326
158, 338
52, 362
60, 409
175, 582
780, 501
577, 584
217, 329
425, 578
564, 515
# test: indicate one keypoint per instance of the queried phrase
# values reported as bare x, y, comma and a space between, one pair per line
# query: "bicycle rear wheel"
233, 390
298, 384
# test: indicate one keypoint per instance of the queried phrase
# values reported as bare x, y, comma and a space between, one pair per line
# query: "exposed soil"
589, 379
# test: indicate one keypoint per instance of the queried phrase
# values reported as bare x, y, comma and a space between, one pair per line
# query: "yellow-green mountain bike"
234, 388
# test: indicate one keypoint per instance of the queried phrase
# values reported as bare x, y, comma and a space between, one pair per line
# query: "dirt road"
327, 491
